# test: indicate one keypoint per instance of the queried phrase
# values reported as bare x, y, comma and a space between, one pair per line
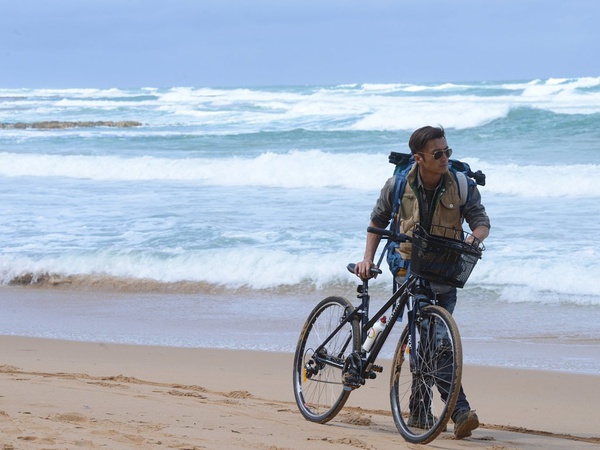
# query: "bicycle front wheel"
426, 375
318, 384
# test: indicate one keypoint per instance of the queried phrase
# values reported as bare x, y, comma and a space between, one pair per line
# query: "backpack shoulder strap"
399, 186
463, 187
465, 178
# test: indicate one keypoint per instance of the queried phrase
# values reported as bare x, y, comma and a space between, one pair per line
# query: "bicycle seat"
374, 270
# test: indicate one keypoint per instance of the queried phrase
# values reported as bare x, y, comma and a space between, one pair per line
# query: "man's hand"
363, 269
480, 233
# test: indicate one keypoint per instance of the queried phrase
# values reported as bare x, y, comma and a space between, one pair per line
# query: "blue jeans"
420, 399
447, 301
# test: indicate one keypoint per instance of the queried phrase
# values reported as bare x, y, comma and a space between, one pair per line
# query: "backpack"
404, 161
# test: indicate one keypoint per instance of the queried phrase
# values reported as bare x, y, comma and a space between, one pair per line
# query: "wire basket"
443, 256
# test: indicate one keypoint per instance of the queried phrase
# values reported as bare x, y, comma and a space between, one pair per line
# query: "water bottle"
373, 332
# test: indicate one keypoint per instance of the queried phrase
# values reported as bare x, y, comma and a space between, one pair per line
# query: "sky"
224, 43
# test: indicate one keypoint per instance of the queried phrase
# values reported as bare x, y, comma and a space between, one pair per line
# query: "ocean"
228, 213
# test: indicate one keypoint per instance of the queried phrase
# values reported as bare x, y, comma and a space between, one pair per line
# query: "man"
431, 198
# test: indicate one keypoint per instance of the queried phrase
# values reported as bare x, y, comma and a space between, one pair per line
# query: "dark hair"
420, 138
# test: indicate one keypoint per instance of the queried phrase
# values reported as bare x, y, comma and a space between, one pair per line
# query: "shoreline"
241, 399
181, 316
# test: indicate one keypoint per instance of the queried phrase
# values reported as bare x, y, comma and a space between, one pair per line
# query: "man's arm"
363, 268
380, 218
476, 216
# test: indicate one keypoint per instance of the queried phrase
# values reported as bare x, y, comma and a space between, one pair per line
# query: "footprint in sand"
70, 418
239, 394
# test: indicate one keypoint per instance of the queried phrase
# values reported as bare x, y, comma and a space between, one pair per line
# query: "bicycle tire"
318, 388
421, 412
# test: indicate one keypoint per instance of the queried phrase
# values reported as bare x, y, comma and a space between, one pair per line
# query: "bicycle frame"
405, 297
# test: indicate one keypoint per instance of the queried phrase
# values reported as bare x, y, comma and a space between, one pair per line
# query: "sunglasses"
438, 153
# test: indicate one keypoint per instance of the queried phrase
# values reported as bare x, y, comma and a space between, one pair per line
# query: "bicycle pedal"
377, 368
374, 370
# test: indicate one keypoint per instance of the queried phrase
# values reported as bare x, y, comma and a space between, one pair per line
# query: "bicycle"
331, 359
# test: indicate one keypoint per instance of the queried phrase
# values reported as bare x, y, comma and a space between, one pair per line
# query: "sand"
72, 395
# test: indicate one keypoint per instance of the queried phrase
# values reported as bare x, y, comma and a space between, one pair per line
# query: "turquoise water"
269, 190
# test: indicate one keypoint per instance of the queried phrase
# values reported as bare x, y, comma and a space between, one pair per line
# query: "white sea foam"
364, 107
536, 181
297, 169
293, 169
453, 112
542, 280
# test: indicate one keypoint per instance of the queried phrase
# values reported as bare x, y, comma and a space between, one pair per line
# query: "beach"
60, 394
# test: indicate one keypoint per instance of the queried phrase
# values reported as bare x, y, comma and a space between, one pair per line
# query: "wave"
383, 107
233, 268
507, 279
572, 279
365, 107
297, 169
543, 275
291, 170
541, 181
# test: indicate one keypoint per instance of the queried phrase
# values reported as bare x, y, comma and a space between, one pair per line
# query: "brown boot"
464, 423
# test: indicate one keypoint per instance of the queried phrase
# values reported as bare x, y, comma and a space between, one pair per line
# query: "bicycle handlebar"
387, 234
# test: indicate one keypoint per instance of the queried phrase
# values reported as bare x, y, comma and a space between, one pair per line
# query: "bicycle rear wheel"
318, 384
423, 399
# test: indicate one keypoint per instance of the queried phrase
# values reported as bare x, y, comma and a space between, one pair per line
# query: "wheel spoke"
424, 385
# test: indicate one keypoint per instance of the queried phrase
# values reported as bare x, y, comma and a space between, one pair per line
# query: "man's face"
430, 166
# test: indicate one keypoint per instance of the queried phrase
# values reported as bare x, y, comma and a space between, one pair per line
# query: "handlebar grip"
380, 231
